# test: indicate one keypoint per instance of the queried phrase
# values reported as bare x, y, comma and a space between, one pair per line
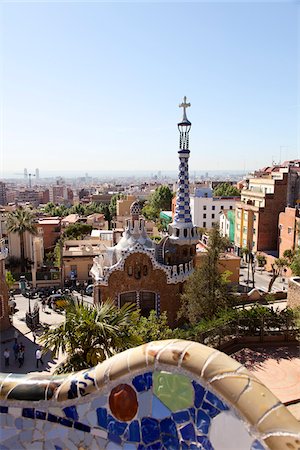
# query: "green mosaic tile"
175, 391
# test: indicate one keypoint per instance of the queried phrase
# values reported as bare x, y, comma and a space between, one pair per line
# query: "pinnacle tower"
182, 230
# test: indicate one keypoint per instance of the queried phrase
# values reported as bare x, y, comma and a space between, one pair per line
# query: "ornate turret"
182, 230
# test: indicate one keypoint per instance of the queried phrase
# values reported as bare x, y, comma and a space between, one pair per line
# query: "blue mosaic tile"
134, 431
65, 422
203, 422
205, 442
199, 393
192, 413
3, 409
184, 446
28, 412
57, 447
71, 412
170, 442
181, 416
210, 410
150, 430
168, 426
3, 447
215, 401
102, 417
52, 418
142, 382
159, 410
188, 432
256, 445
114, 438
129, 447
155, 446
115, 427
40, 415
82, 427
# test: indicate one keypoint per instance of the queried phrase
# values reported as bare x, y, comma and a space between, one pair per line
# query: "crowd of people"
19, 353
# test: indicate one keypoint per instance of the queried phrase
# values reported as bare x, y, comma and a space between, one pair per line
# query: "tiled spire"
182, 228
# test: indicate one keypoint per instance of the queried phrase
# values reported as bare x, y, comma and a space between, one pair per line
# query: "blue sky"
96, 86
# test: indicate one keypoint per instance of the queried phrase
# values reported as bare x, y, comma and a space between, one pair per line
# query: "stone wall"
163, 395
293, 297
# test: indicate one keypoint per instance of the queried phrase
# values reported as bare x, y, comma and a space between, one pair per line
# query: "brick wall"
153, 280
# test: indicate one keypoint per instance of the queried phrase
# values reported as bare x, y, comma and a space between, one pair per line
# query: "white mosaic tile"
37, 435
37, 445
16, 412
98, 432
236, 436
83, 410
91, 418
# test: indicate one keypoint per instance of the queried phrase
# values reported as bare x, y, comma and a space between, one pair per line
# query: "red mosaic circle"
123, 402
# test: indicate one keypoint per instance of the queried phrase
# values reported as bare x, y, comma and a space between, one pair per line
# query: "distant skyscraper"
3, 199
37, 174
25, 174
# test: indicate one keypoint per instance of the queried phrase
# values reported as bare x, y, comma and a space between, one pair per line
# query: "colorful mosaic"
164, 395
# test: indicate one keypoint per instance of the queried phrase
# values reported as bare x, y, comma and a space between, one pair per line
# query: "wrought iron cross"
184, 105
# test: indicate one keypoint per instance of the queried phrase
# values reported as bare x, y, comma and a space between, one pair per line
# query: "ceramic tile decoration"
162, 395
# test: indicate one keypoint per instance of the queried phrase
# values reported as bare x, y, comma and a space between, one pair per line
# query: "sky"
95, 86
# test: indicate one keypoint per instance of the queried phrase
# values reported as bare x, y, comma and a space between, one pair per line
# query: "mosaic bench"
163, 395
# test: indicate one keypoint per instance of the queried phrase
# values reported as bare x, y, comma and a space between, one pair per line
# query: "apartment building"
3, 199
256, 215
206, 209
289, 230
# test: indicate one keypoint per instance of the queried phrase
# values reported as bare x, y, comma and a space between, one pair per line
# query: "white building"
206, 209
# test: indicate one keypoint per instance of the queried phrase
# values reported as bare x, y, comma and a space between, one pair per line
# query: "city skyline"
101, 92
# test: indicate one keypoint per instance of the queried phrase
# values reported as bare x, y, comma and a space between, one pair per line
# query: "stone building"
150, 275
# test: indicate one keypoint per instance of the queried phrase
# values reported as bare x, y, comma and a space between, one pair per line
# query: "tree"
226, 190
277, 266
20, 221
77, 231
90, 334
160, 200
261, 261
206, 291
152, 328
295, 263
9, 279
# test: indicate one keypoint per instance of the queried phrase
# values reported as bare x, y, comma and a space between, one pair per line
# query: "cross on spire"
184, 105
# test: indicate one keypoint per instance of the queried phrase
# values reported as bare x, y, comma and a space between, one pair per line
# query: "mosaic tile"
215, 401
205, 442
129, 447
71, 412
82, 427
102, 417
150, 430
41, 415
199, 393
181, 416
188, 432
142, 382
28, 412
134, 431
115, 427
3, 409
145, 404
174, 390
257, 446
159, 410
210, 410
170, 442
123, 402
203, 422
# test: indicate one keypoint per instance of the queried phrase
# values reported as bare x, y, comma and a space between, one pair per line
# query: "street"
26, 337
262, 280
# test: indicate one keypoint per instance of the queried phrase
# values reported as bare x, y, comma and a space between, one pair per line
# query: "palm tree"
90, 334
20, 221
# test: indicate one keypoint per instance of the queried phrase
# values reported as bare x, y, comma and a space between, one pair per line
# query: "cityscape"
149, 240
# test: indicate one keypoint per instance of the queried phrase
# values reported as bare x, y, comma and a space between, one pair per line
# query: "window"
239, 214
230, 207
244, 242
129, 271
254, 217
147, 303
254, 231
127, 297
253, 244
204, 224
221, 207
213, 207
289, 230
204, 216
212, 216
204, 207
244, 230
245, 215
74, 269
238, 226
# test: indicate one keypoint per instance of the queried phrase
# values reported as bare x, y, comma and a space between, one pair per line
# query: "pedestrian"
43, 305
16, 350
16, 335
38, 356
21, 356
6, 357
34, 335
